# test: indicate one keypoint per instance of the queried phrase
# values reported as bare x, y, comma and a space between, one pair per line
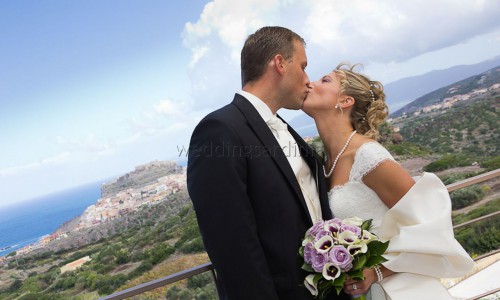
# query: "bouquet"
335, 249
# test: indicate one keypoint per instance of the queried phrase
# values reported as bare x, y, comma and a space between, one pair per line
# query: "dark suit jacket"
250, 209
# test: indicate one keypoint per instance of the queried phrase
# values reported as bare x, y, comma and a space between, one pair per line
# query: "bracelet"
379, 273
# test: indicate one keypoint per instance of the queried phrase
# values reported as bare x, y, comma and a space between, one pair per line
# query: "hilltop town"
452, 100
131, 199
127, 194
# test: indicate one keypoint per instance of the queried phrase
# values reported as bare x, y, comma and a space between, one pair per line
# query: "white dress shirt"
291, 150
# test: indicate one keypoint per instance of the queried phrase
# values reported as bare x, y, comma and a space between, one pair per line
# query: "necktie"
299, 167
277, 125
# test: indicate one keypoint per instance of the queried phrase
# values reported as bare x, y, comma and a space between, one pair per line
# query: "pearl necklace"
338, 156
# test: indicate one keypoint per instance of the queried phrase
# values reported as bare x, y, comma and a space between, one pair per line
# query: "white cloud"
58, 159
171, 109
229, 22
198, 53
215, 42
369, 32
168, 108
90, 143
376, 30
160, 118
391, 30
495, 39
74, 151
165, 123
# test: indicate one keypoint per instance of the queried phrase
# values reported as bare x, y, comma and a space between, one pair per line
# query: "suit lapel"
269, 141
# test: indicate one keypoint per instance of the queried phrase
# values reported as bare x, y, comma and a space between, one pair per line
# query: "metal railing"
485, 294
473, 180
151, 285
476, 220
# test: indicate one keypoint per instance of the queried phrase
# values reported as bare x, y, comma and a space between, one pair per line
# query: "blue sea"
26, 222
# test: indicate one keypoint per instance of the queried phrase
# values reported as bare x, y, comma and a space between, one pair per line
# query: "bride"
365, 181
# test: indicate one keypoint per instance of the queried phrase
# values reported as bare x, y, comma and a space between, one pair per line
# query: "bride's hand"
358, 287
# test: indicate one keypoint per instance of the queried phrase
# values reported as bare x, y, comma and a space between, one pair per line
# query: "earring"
337, 105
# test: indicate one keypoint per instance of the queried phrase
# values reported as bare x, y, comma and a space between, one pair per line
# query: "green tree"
16, 285
172, 293
466, 196
122, 257
200, 280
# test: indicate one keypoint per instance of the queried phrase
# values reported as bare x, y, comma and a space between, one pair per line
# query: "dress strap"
368, 157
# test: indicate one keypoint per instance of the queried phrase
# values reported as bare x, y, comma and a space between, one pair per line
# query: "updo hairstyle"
369, 110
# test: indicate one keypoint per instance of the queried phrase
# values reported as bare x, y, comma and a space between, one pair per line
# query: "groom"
254, 184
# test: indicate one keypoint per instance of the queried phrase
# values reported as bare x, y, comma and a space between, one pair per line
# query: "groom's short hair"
261, 46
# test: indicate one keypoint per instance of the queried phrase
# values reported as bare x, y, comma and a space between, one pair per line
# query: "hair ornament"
371, 92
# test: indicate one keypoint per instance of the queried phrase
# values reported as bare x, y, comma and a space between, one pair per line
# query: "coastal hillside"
460, 123
470, 129
403, 91
146, 185
447, 96
125, 235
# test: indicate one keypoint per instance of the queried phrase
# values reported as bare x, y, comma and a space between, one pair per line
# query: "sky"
89, 89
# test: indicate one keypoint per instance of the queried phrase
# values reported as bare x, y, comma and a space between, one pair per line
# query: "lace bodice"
355, 198
423, 212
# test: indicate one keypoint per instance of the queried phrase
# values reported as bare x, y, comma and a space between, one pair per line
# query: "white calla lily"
311, 284
347, 238
324, 244
307, 239
357, 248
368, 236
331, 271
333, 228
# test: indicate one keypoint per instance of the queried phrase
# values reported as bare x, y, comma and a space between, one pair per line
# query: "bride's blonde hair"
369, 109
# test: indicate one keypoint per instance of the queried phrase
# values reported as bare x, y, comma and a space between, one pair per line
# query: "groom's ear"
277, 62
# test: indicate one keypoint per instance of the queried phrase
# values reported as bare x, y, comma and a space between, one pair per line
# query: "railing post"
216, 281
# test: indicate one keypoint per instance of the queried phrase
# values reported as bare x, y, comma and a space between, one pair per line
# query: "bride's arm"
390, 181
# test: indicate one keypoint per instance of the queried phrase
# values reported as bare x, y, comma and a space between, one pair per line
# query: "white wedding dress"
422, 246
